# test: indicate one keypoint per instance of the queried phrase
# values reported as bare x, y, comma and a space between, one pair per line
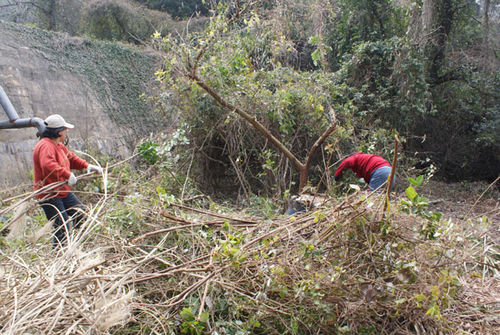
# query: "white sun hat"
57, 121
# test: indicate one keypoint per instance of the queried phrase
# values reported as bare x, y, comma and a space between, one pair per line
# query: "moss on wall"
117, 74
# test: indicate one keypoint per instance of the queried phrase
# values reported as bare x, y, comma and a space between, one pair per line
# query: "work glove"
72, 179
95, 168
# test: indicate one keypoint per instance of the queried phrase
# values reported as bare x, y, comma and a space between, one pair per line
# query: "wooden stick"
202, 304
391, 176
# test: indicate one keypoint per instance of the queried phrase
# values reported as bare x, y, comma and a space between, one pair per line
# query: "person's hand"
92, 168
72, 179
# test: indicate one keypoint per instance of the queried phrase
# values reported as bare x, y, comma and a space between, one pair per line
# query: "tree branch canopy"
252, 120
235, 70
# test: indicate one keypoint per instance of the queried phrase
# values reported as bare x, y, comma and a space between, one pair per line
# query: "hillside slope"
95, 85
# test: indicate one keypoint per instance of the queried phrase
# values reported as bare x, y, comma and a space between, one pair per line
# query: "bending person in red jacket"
52, 164
372, 168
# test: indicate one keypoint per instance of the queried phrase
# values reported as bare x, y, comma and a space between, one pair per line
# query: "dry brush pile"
142, 265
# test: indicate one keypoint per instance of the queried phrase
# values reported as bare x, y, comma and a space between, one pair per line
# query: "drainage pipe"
14, 120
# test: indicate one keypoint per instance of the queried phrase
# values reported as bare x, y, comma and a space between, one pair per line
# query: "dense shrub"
178, 9
455, 124
121, 21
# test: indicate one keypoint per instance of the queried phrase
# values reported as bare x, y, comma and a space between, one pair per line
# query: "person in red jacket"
372, 168
52, 165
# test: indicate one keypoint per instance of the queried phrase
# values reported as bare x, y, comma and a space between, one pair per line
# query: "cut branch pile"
342, 267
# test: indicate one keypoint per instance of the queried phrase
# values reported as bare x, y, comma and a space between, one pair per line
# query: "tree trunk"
486, 32
438, 18
51, 14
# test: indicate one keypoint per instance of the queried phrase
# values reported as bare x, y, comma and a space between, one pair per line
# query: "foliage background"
427, 70
291, 64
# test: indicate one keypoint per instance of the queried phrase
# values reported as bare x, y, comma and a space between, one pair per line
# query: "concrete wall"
37, 88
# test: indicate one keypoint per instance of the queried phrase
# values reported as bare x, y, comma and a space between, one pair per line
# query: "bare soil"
465, 203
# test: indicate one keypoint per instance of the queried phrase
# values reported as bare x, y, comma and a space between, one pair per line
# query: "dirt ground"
465, 202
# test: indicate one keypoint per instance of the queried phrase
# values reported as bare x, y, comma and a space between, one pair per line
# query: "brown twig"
391, 176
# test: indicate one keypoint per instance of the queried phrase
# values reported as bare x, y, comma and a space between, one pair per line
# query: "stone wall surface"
38, 87
18, 11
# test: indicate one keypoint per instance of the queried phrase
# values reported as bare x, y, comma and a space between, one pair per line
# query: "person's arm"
348, 163
75, 162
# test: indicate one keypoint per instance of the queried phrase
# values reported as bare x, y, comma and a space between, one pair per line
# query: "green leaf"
434, 311
204, 317
160, 190
406, 203
420, 297
413, 181
436, 217
411, 193
416, 182
295, 326
187, 314
314, 40
316, 57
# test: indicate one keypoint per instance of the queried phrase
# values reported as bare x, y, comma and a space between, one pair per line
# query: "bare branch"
251, 119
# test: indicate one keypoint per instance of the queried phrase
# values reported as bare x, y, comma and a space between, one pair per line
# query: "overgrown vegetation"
297, 68
113, 20
123, 21
168, 246
179, 9
156, 256
427, 70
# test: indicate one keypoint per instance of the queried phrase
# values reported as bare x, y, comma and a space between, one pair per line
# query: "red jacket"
53, 163
362, 165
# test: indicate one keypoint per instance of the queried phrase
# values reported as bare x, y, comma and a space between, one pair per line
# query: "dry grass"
337, 269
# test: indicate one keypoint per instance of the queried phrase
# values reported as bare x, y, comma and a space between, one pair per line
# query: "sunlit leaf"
411, 193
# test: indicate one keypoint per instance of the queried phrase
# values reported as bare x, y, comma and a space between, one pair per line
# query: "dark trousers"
61, 210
